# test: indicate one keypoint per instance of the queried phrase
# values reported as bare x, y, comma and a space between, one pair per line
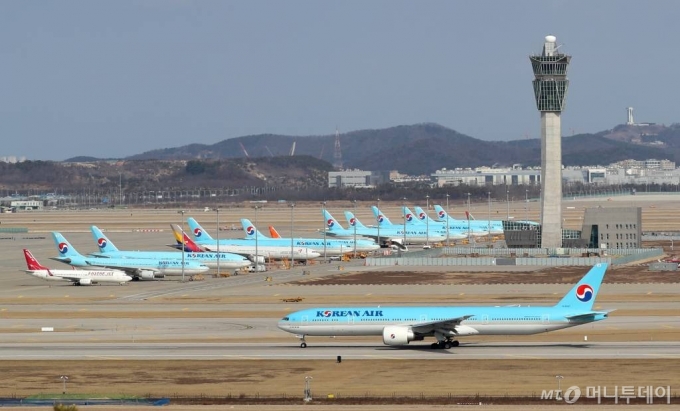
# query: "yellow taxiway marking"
111, 295
21, 296
185, 295
66, 296
276, 295
83, 309
369, 294
667, 326
185, 309
4, 309
461, 294
649, 292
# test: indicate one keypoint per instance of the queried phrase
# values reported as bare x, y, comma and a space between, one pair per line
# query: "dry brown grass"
349, 378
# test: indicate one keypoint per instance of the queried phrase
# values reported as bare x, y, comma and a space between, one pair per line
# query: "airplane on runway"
137, 268
227, 260
76, 277
457, 226
248, 248
400, 325
332, 246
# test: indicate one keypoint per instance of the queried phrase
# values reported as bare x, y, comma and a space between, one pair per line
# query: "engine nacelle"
85, 281
146, 275
397, 335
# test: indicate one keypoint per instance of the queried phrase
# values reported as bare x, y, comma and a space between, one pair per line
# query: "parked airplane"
76, 277
332, 246
226, 260
137, 268
273, 233
401, 325
457, 226
413, 223
394, 236
495, 225
248, 247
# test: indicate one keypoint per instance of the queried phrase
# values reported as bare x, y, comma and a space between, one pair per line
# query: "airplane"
412, 223
385, 235
248, 247
495, 225
226, 260
76, 277
431, 234
398, 326
332, 247
457, 226
137, 268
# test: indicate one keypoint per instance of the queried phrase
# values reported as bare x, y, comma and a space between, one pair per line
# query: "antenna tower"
337, 152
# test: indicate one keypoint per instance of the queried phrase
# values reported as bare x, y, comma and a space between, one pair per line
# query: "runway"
348, 351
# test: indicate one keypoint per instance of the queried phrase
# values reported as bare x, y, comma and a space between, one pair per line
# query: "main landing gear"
446, 344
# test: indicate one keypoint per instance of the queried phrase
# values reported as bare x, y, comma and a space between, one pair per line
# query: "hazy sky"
116, 78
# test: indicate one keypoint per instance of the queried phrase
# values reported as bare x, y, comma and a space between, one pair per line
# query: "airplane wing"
448, 324
71, 279
133, 271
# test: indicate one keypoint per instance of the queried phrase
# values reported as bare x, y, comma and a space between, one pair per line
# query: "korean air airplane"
76, 277
249, 247
457, 226
137, 268
431, 234
333, 247
398, 326
226, 260
481, 225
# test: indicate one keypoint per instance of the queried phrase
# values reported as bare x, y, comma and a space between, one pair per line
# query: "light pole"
257, 256
488, 193
468, 217
355, 228
507, 202
403, 207
380, 242
447, 220
183, 247
526, 204
217, 211
427, 221
120, 189
64, 378
323, 214
559, 386
292, 260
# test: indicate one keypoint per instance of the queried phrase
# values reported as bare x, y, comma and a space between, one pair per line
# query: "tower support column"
551, 179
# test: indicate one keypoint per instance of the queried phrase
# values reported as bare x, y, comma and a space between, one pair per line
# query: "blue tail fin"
382, 220
422, 215
411, 218
63, 246
441, 214
251, 230
582, 296
197, 231
105, 245
353, 221
331, 223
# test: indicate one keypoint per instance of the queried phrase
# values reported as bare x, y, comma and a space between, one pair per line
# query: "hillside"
423, 148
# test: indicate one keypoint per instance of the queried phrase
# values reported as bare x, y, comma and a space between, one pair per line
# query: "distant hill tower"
337, 152
630, 121
550, 89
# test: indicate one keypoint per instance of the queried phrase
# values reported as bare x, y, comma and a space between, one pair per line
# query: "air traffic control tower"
550, 90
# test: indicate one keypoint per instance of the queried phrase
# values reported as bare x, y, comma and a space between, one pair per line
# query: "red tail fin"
31, 262
190, 245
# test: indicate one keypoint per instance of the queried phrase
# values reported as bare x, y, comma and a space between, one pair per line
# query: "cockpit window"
285, 319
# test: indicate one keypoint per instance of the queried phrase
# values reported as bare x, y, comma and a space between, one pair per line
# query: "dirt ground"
103, 378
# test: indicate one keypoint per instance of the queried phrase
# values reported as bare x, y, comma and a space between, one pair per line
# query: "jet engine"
147, 275
84, 281
397, 335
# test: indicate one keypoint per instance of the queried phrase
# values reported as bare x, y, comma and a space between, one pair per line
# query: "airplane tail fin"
353, 221
189, 244
273, 233
422, 215
441, 214
197, 231
331, 223
32, 263
411, 219
583, 294
251, 230
105, 245
469, 216
380, 217
65, 248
